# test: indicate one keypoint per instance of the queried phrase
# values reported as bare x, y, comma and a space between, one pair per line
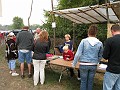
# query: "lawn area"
7, 82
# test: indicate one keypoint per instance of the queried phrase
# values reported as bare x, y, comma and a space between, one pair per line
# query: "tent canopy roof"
92, 14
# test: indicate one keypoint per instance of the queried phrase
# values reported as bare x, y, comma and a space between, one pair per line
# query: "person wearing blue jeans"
12, 65
89, 53
11, 53
87, 73
112, 54
25, 44
25, 55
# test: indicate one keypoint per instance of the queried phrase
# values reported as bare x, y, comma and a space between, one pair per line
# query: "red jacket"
69, 55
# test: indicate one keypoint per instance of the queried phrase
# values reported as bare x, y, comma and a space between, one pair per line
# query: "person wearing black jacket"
112, 54
41, 48
11, 53
25, 42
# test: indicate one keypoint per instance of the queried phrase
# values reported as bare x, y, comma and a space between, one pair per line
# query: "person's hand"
67, 59
32, 53
73, 66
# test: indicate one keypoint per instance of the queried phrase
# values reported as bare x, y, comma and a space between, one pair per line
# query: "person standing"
37, 32
11, 54
41, 48
112, 54
68, 42
25, 44
89, 53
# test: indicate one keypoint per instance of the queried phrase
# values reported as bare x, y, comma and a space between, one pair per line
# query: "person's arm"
71, 56
106, 51
17, 39
71, 46
78, 53
100, 52
64, 57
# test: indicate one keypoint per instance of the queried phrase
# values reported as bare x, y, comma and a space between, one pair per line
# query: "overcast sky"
21, 8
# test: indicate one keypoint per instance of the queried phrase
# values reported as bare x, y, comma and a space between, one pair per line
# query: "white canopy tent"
92, 14
106, 13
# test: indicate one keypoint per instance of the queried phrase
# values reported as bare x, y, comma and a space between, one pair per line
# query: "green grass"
51, 81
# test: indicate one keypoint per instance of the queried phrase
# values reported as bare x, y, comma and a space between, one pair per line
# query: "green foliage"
102, 32
64, 4
64, 26
34, 26
17, 23
6, 27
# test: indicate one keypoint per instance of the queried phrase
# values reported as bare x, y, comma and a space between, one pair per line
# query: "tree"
17, 23
64, 26
34, 26
30, 13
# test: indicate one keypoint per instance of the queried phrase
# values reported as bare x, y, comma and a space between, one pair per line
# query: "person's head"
38, 30
115, 29
67, 37
43, 36
25, 28
92, 31
11, 35
65, 49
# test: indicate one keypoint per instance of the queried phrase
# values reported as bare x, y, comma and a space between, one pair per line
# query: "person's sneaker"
78, 78
15, 74
29, 75
10, 72
22, 76
35, 84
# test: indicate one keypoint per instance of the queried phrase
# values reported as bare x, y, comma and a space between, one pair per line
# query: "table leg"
62, 74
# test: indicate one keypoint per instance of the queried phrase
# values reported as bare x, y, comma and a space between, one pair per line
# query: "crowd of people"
89, 53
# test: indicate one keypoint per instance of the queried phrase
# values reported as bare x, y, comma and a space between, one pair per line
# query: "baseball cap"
11, 34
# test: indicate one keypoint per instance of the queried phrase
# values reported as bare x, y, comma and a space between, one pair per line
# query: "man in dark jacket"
112, 54
25, 44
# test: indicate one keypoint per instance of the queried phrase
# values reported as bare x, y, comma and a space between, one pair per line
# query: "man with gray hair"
37, 32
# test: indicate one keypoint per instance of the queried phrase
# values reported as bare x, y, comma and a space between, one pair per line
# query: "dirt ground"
7, 82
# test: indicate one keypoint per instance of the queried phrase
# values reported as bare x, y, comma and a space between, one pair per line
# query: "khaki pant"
39, 66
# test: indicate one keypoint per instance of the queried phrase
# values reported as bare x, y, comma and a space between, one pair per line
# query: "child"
68, 56
11, 53
68, 42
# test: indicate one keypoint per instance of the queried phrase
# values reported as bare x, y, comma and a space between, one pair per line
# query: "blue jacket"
89, 50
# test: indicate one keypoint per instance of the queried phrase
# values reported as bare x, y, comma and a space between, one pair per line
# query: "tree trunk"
30, 14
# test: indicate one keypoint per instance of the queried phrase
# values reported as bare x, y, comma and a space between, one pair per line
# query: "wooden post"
73, 33
53, 17
108, 21
109, 34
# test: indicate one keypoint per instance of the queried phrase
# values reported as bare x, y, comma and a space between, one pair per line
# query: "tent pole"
108, 21
73, 33
53, 17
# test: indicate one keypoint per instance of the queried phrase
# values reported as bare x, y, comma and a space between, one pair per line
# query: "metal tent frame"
92, 14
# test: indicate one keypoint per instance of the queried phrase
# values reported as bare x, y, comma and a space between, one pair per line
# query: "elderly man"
36, 36
25, 44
